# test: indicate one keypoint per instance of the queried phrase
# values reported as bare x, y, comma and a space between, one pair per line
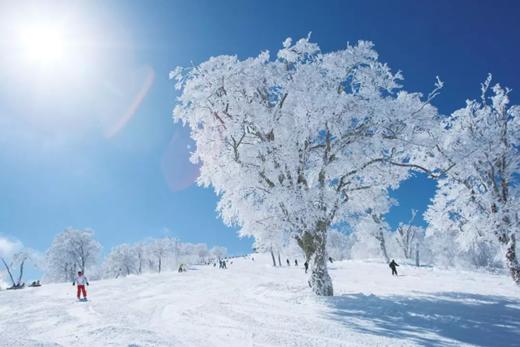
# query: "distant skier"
288, 262
295, 262
81, 281
331, 260
306, 264
393, 265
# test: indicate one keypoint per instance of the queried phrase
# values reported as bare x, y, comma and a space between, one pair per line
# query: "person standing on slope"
80, 281
393, 265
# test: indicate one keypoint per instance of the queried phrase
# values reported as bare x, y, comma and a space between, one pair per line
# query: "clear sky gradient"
89, 142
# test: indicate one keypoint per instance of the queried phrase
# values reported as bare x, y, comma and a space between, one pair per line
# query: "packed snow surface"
253, 304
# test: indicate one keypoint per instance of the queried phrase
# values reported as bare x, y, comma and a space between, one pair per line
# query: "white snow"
254, 304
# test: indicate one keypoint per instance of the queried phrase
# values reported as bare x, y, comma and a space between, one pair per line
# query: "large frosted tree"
478, 200
296, 143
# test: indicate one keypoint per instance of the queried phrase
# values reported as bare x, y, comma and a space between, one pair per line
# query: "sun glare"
43, 43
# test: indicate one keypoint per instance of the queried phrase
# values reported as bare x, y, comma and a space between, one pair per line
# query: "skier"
331, 260
81, 281
288, 262
393, 266
306, 264
295, 262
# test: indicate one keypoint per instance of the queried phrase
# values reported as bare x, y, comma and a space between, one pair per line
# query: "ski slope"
253, 304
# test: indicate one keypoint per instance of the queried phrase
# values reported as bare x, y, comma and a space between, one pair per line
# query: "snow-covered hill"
254, 304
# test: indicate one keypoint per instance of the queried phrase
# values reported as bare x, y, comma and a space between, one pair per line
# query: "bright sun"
42, 43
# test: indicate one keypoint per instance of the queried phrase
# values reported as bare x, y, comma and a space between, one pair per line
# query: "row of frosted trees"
77, 250
407, 243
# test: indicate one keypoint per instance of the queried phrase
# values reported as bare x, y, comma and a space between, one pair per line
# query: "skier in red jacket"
81, 281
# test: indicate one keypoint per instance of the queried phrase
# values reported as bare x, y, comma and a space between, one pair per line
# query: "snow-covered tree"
121, 261
161, 250
156, 255
409, 237
8, 251
141, 253
188, 253
13, 259
200, 250
298, 141
218, 252
457, 234
72, 250
16, 265
271, 240
451, 247
369, 225
479, 198
339, 244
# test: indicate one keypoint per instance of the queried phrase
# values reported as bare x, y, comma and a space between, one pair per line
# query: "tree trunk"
21, 272
83, 265
382, 244
512, 260
320, 280
381, 237
417, 257
272, 256
279, 260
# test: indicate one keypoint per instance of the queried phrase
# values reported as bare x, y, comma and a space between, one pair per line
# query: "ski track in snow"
254, 304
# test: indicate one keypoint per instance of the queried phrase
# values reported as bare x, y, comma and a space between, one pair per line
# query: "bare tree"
8, 268
406, 235
18, 260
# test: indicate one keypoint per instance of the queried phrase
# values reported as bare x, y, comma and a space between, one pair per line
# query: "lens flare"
43, 43
177, 169
134, 105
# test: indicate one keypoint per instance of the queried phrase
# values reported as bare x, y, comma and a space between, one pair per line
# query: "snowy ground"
254, 304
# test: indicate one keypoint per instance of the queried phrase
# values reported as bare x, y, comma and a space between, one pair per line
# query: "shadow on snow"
430, 319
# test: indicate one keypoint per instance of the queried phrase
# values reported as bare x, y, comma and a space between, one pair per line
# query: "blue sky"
89, 141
